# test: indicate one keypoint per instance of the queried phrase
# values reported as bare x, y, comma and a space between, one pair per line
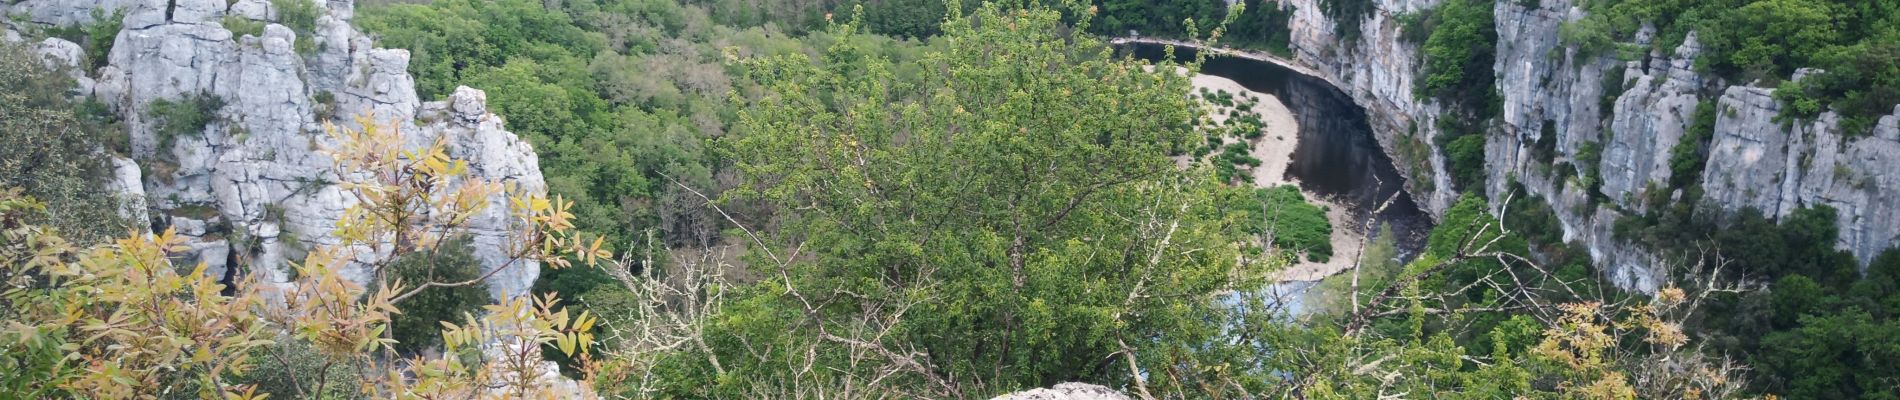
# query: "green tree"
1771, 37
1459, 55
52, 152
962, 221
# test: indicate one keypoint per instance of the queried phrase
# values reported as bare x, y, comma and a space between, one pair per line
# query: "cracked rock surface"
1067, 391
1549, 88
254, 185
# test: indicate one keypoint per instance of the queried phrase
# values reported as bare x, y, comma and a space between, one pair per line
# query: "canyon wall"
254, 187
1551, 88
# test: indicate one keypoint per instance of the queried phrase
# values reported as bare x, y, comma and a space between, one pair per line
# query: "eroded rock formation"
253, 186
1551, 88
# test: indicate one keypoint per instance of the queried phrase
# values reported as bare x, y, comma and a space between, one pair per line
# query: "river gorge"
1336, 160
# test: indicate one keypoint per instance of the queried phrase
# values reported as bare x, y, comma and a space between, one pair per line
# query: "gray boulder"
1067, 391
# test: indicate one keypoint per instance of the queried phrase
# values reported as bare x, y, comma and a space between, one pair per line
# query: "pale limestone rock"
141, 14
197, 11
166, 61
255, 10
1377, 71
128, 182
1067, 391
1650, 118
59, 53
1747, 160
64, 12
1755, 162
493, 154
254, 184
68, 56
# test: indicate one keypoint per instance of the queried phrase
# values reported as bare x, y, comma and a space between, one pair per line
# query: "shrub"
1464, 157
279, 367
51, 149
96, 37
1588, 156
240, 26
1295, 224
1459, 55
185, 117
419, 326
301, 17
1687, 159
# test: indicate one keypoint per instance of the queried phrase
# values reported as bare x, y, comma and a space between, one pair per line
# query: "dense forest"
927, 199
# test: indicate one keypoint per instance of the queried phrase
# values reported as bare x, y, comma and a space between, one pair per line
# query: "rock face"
1757, 162
1067, 391
1377, 70
1554, 95
254, 186
65, 12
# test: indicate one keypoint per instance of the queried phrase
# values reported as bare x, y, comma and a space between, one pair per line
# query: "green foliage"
184, 117
987, 197
1592, 35
1379, 263
1544, 149
1615, 82
419, 326
1531, 217
452, 40
916, 19
1770, 37
301, 17
1416, 26
1809, 334
1294, 224
1263, 25
1156, 18
1863, 85
1589, 157
1232, 157
1348, 16
240, 26
1459, 55
52, 152
1464, 159
1826, 342
95, 37
285, 368
1689, 155
1853, 41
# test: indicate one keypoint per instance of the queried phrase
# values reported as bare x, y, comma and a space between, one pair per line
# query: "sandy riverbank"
1275, 148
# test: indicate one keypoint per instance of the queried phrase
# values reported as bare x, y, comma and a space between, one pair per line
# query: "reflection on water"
1337, 157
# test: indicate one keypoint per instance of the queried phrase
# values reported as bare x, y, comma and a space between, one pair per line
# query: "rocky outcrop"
254, 186
1554, 95
1067, 391
1756, 161
64, 12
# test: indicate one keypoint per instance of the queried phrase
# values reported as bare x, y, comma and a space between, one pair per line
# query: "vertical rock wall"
1377, 70
1551, 88
1756, 161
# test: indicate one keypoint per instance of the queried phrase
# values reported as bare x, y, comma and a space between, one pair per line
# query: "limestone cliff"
254, 185
1551, 88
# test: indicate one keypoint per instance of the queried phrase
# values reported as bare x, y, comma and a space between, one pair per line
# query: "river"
1337, 157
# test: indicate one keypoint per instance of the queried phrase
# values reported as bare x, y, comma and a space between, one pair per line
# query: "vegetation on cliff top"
1763, 42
